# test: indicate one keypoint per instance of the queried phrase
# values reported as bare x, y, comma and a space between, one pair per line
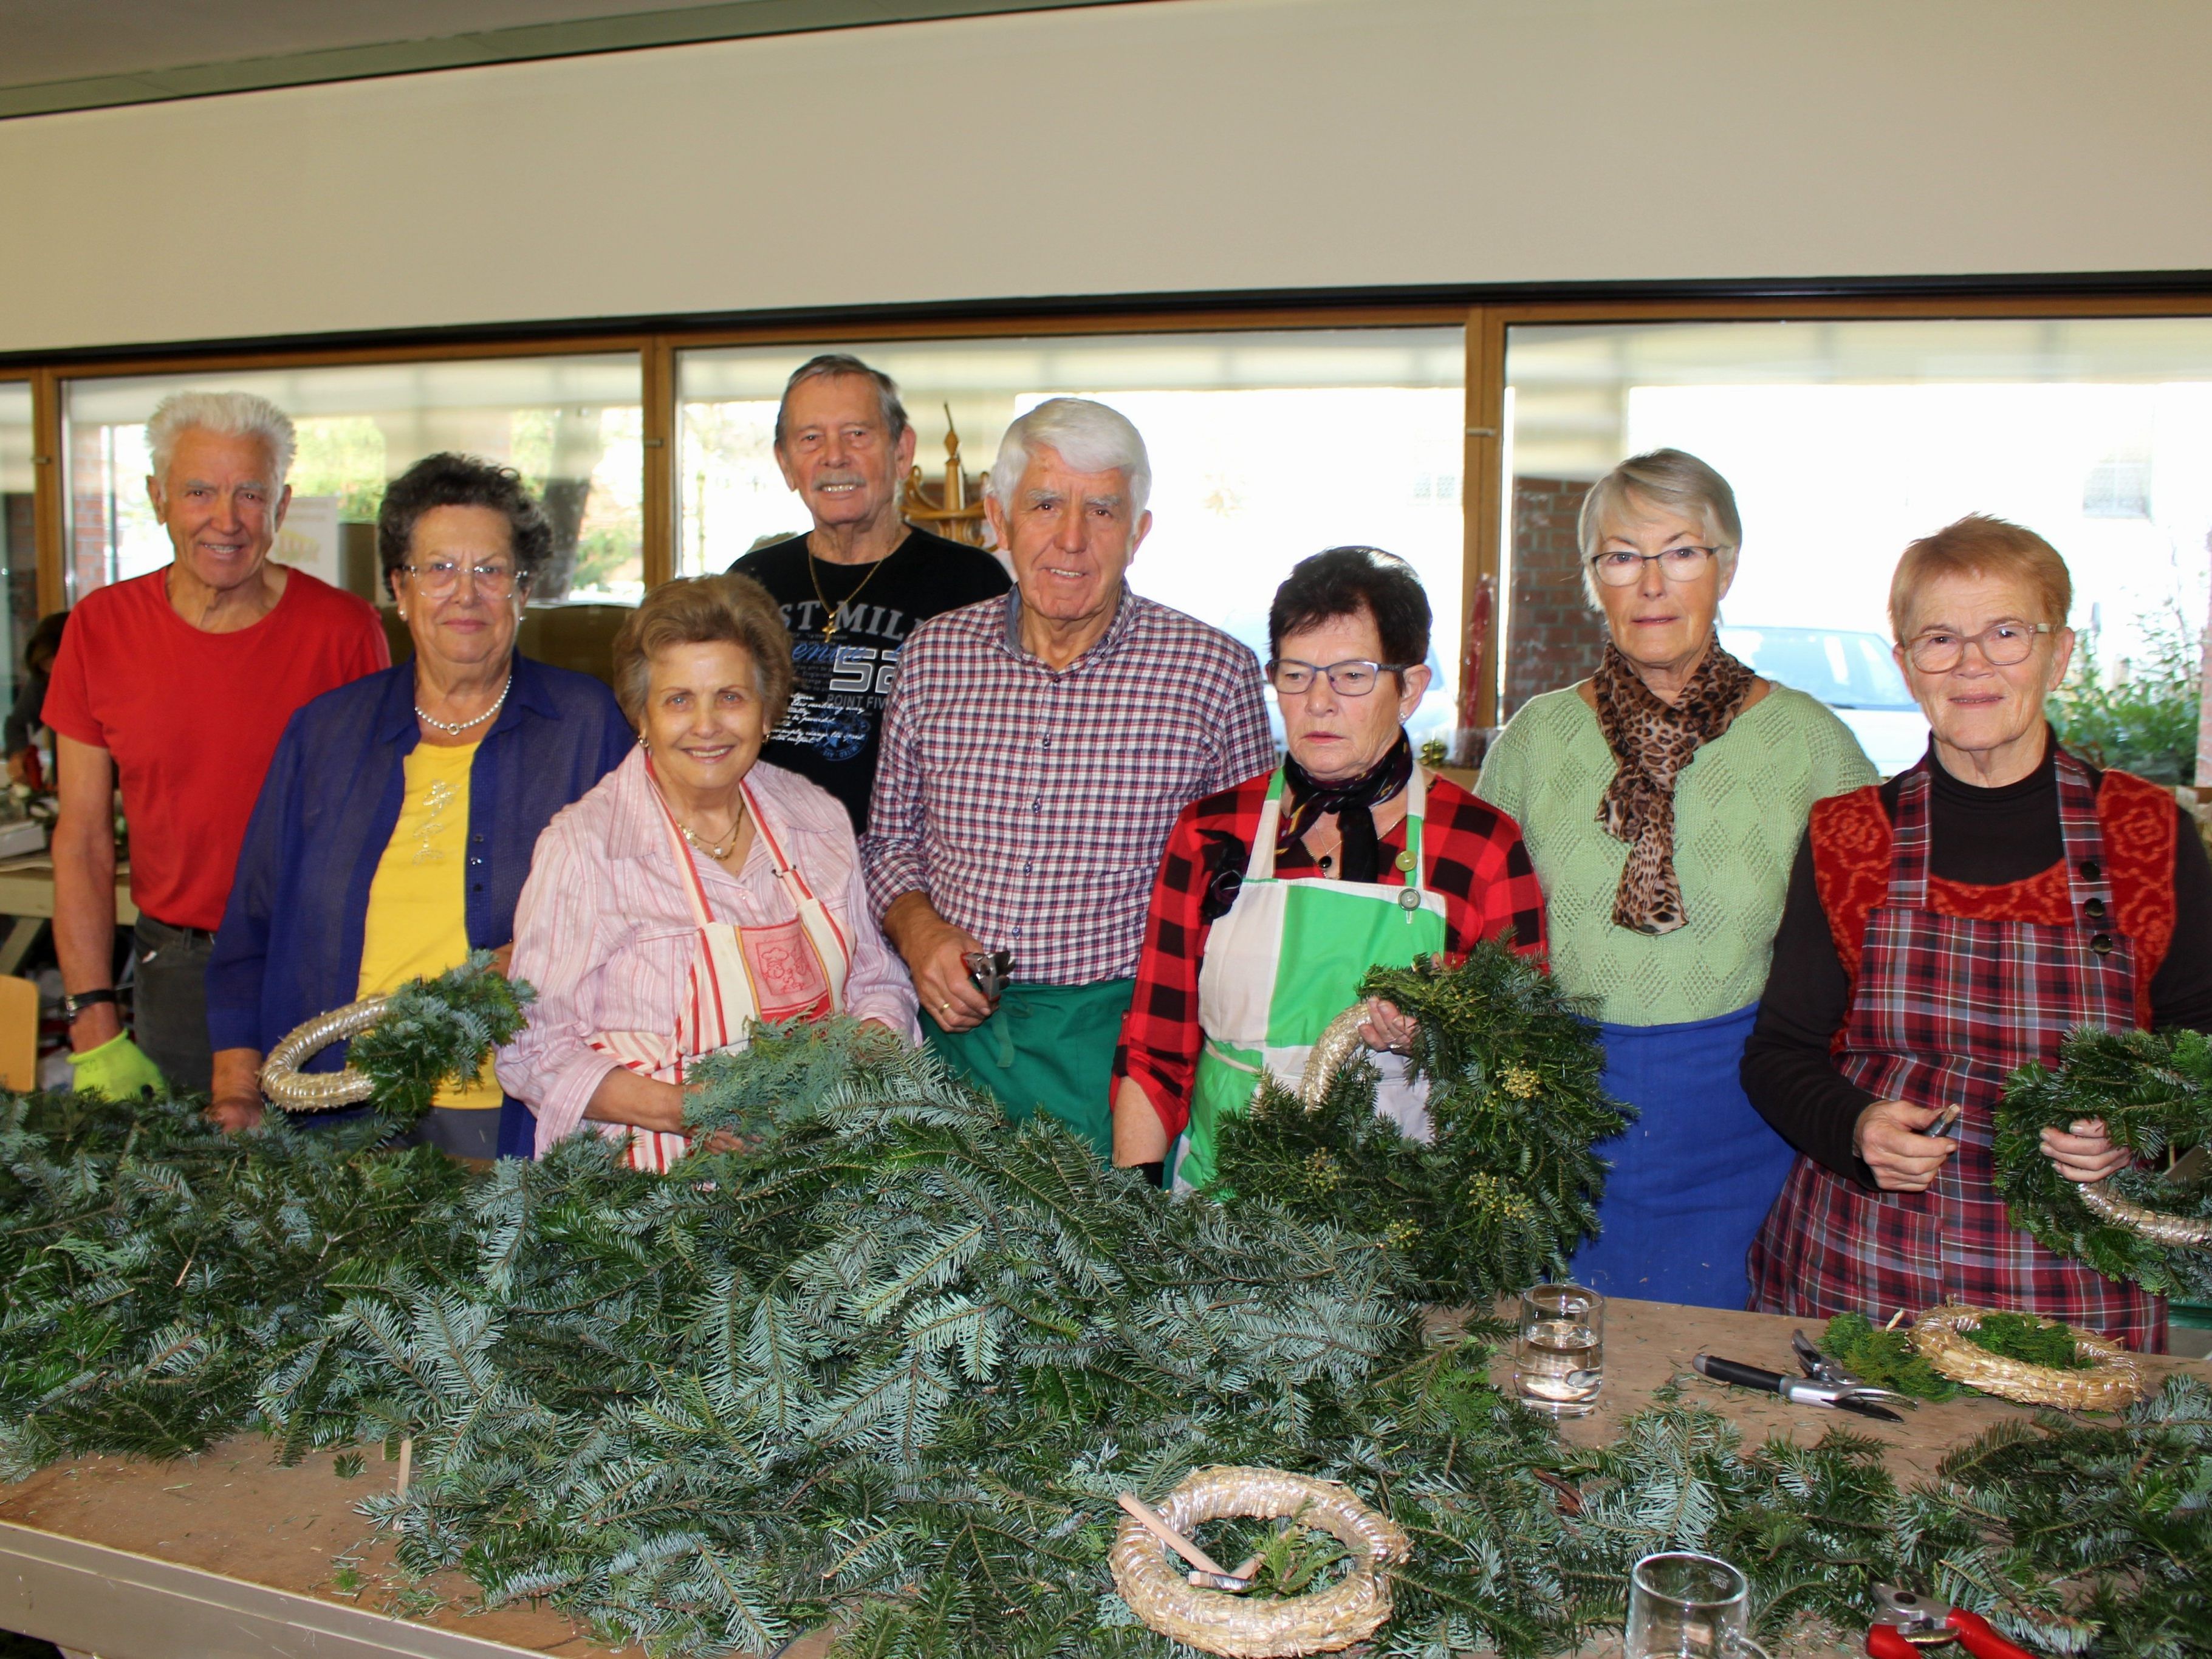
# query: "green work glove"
117, 1068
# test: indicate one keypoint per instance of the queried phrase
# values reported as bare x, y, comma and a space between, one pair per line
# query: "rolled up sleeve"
876, 982
551, 1066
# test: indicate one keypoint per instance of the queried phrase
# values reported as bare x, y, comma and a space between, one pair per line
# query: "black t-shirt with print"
841, 684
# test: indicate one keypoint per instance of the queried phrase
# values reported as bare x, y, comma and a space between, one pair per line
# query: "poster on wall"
310, 539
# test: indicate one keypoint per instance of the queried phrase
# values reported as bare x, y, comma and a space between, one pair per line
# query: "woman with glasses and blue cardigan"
1662, 799
396, 826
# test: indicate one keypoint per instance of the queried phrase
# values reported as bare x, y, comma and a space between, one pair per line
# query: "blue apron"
1694, 1176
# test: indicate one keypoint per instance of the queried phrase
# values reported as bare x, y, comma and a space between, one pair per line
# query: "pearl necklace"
454, 727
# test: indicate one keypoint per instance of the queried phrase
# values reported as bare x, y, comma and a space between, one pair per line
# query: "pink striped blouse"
605, 933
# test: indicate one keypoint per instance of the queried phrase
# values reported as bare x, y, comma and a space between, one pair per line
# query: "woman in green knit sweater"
1662, 800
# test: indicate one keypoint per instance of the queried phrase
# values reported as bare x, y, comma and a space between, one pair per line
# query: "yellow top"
417, 921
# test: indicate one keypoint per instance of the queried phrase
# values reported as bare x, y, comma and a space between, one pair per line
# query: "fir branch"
2154, 1093
1508, 1185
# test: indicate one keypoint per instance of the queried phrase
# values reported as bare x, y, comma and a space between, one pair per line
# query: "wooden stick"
1145, 1516
406, 1461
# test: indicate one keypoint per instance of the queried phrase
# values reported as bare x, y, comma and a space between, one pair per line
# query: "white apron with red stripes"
788, 969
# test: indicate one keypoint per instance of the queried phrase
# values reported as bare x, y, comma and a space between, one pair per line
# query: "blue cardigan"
289, 947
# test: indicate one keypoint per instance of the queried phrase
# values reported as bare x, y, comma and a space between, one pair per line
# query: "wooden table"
27, 894
231, 1554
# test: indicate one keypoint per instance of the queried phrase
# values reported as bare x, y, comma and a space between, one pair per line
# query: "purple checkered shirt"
1033, 806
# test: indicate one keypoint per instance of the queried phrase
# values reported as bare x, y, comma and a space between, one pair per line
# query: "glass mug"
1687, 1606
1558, 1349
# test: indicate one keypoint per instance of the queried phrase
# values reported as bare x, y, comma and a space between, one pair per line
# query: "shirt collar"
637, 831
1104, 646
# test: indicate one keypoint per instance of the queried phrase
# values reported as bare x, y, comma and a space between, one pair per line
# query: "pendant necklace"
454, 728
828, 611
721, 855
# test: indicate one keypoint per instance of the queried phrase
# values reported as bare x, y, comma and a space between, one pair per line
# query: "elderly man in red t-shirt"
179, 683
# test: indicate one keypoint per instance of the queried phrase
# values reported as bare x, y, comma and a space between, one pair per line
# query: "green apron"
1046, 1048
1286, 961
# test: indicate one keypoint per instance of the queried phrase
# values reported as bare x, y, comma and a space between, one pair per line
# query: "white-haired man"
177, 684
854, 586
1036, 753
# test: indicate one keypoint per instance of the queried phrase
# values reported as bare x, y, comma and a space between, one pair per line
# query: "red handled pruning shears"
1905, 1623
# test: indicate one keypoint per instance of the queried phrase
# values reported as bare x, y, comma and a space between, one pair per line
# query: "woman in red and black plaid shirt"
1277, 896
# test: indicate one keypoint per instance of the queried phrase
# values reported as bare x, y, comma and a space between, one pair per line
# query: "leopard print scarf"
1652, 742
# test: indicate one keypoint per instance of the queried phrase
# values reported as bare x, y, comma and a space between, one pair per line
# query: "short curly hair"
449, 480
705, 610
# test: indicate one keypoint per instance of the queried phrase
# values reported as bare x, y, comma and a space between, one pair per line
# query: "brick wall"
1555, 638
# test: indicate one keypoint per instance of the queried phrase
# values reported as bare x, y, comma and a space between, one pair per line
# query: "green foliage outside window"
2145, 724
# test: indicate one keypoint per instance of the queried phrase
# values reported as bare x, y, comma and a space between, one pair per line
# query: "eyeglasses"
1938, 651
1350, 678
1677, 564
440, 576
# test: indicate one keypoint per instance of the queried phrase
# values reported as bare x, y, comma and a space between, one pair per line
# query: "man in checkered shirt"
1036, 753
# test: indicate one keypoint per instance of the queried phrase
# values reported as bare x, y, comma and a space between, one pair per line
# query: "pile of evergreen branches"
1508, 1185
154, 1271
2154, 1091
889, 1366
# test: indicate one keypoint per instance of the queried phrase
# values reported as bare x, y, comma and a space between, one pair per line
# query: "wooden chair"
19, 1035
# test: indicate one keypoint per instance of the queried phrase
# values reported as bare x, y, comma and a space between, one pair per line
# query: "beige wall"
1184, 144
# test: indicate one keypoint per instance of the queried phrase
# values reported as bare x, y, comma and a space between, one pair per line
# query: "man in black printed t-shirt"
855, 587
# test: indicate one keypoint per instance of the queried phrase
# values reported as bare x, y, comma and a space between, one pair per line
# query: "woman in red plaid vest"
1951, 925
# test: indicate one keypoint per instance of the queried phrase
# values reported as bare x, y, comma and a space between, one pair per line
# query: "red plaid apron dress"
1943, 1009
786, 970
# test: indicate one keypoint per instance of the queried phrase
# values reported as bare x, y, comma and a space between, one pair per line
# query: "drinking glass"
1558, 1349
1685, 1606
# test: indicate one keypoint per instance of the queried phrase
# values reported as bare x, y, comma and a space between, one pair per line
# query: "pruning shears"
1905, 1623
1821, 1369
1803, 1391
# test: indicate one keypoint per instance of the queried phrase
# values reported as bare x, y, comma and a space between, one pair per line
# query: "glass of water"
1558, 1349
1685, 1606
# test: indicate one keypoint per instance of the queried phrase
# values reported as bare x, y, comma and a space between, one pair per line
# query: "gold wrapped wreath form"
1323, 1621
2174, 1231
1338, 1042
2113, 1379
295, 1091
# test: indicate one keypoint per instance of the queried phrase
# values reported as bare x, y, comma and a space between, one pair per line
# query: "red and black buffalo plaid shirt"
1475, 861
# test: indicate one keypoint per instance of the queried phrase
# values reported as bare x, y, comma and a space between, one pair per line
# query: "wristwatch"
75, 1003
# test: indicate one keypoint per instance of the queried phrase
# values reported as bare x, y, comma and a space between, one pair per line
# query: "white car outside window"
1851, 672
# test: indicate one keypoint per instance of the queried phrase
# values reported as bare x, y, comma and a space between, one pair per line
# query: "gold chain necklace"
721, 855
828, 611
716, 851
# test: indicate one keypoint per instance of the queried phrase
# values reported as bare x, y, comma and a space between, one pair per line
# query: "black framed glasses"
440, 576
1349, 678
2003, 644
1621, 567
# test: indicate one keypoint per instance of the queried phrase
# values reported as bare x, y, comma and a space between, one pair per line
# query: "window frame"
656, 344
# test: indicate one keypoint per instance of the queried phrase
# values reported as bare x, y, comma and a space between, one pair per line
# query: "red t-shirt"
192, 718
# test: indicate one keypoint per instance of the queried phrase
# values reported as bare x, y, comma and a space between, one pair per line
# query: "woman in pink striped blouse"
693, 891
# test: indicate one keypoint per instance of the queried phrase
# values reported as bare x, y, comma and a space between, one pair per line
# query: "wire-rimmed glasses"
1353, 677
2002, 645
439, 577
1619, 567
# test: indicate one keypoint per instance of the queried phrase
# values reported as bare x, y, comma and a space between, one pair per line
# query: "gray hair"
1667, 477
835, 365
1090, 437
232, 414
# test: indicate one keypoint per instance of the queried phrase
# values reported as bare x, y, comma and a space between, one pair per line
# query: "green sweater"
1739, 811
